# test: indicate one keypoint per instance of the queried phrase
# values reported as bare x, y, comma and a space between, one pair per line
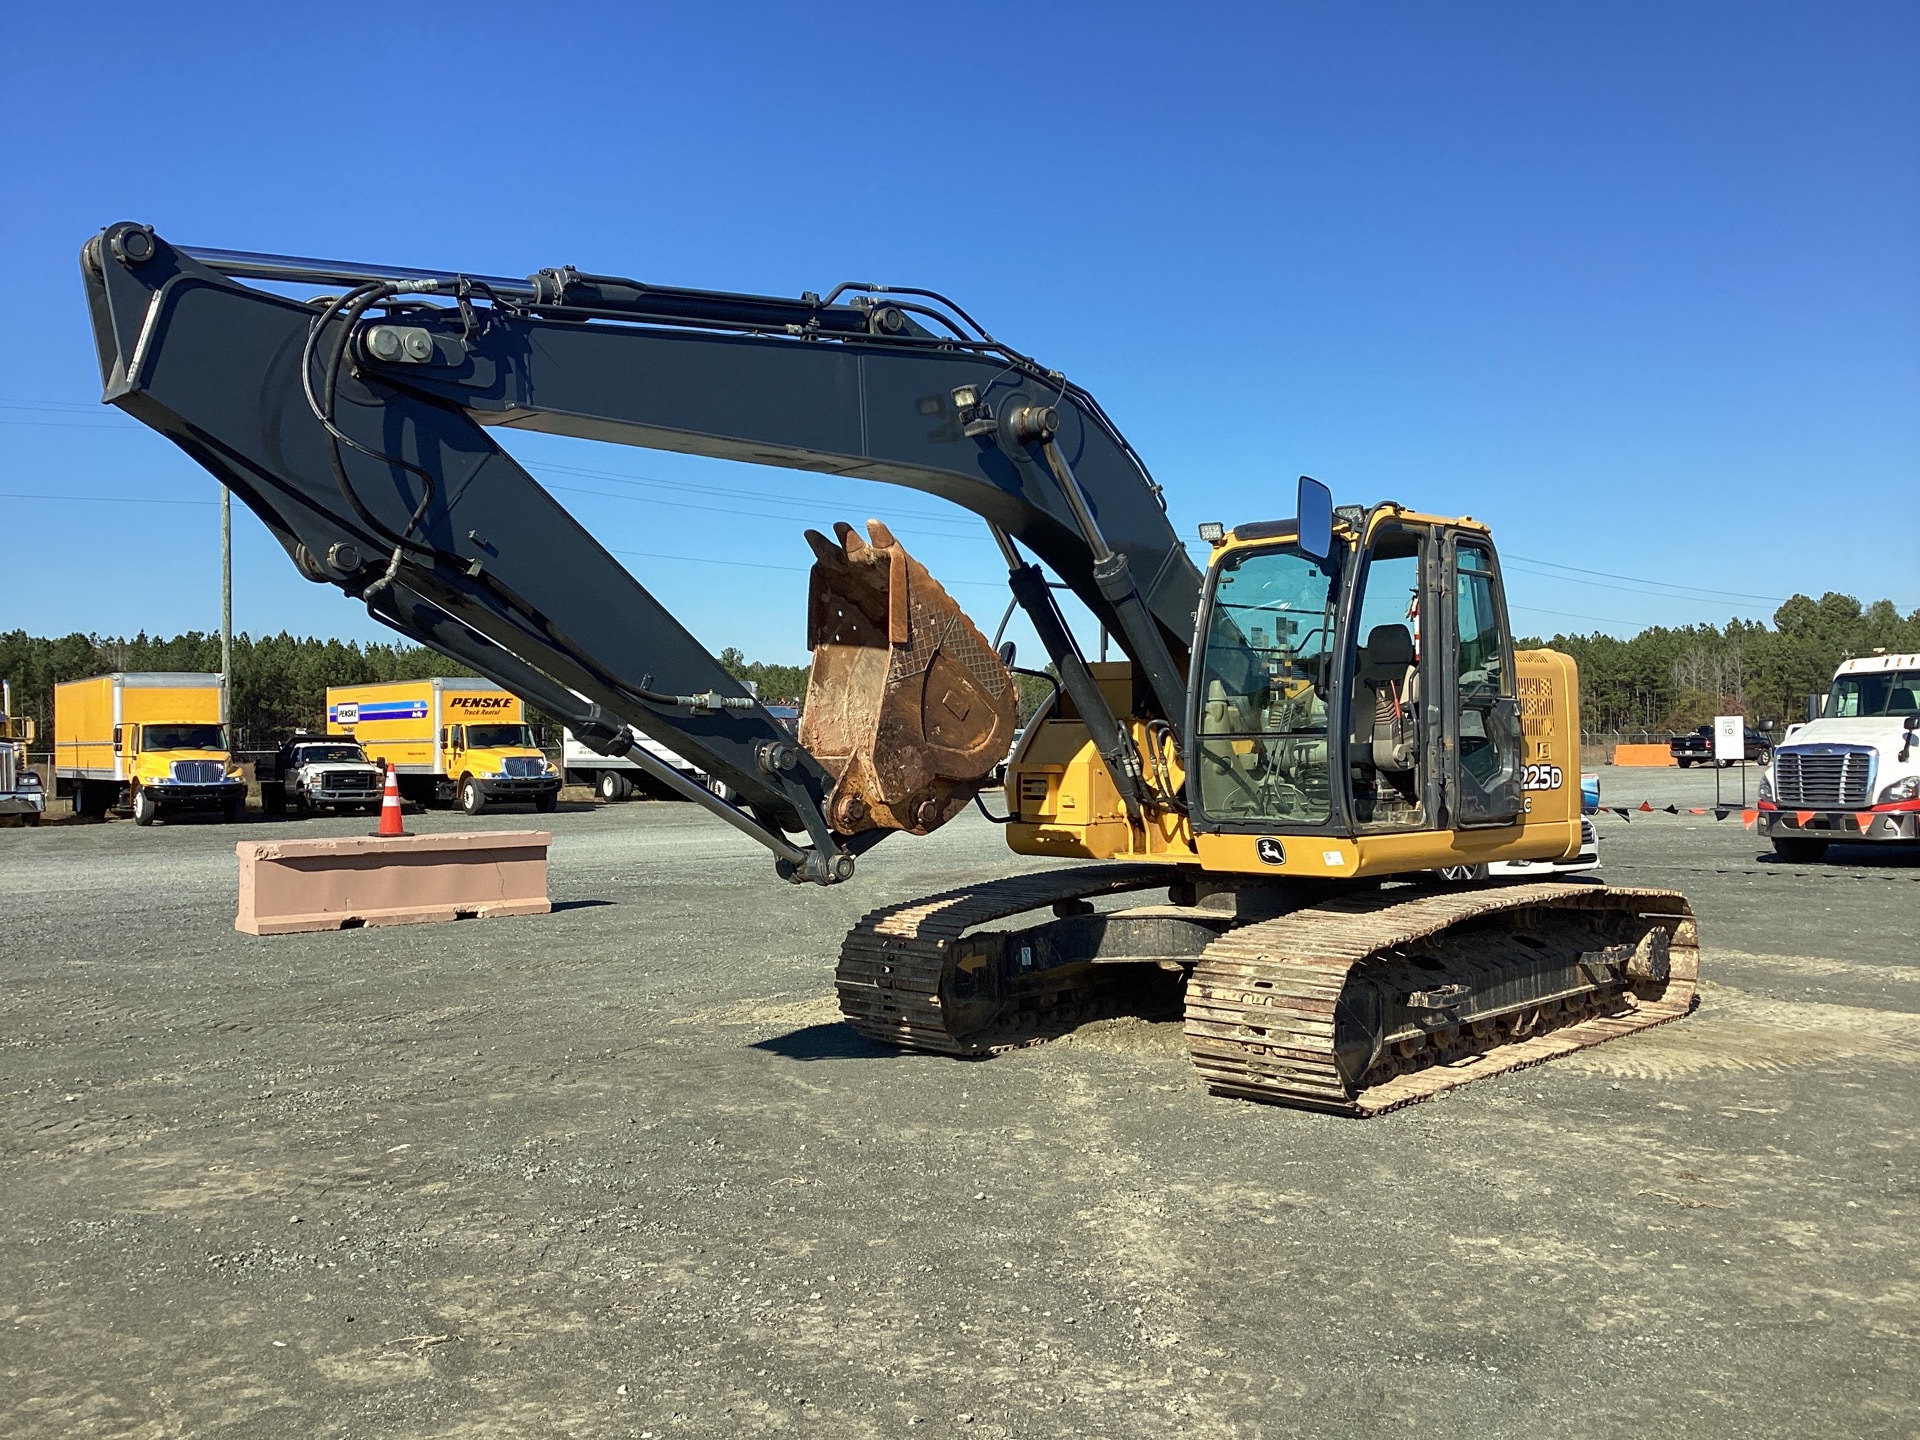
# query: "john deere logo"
1270, 850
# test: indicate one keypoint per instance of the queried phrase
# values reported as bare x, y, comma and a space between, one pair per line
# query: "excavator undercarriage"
1354, 1004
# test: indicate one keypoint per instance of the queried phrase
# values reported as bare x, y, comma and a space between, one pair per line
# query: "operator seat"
1230, 714
1388, 669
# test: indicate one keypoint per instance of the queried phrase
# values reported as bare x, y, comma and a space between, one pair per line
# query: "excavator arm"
355, 426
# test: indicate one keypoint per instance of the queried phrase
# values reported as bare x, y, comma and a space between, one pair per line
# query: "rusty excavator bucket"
908, 707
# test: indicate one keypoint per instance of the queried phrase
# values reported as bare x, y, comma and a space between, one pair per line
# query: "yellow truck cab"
152, 741
458, 740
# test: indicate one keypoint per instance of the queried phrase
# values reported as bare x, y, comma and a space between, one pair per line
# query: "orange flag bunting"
1747, 818
1802, 817
1865, 821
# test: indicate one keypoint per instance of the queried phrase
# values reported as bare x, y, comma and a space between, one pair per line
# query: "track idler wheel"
908, 707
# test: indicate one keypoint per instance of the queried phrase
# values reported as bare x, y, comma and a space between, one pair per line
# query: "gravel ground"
619, 1172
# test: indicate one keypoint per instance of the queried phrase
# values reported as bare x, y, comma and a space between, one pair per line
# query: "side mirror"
1314, 509
1007, 652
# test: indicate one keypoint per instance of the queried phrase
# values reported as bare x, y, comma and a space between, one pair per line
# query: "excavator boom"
356, 428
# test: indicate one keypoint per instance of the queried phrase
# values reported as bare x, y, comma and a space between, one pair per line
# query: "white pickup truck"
1853, 774
315, 771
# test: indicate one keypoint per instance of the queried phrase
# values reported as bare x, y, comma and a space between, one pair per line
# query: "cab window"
1874, 692
1261, 741
183, 737
500, 737
1481, 658
1384, 740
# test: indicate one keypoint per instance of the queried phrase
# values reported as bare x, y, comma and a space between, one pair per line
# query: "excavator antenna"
908, 707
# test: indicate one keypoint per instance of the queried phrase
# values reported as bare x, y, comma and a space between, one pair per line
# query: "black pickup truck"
1696, 747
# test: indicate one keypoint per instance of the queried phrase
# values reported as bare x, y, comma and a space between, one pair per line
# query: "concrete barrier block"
292, 885
1642, 755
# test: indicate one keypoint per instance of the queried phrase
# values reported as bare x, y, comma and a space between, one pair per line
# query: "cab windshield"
184, 737
1262, 736
1874, 692
500, 737
330, 755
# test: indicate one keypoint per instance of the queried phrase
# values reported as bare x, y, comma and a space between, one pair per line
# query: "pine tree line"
279, 681
1663, 680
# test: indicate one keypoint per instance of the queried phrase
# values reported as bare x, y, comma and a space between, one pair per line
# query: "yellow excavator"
1279, 787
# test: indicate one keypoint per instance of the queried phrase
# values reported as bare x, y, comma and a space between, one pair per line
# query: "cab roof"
1867, 664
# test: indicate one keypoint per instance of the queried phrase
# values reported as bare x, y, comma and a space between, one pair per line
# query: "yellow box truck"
458, 739
151, 741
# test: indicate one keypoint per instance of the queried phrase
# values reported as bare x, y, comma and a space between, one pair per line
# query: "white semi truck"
614, 777
1852, 774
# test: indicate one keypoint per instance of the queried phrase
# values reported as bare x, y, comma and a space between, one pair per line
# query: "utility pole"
226, 607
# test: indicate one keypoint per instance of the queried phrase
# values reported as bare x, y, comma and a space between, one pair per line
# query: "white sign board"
1729, 737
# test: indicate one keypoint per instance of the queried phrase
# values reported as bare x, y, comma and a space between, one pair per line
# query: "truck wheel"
548, 803
1464, 874
472, 799
1799, 851
1763, 757
273, 798
30, 819
235, 810
614, 786
303, 805
145, 808
1683, 764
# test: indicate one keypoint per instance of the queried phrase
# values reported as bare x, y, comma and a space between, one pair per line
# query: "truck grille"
348, 780
199, 772
523, 767
1823, 775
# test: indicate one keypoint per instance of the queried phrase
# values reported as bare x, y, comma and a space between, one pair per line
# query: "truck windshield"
500, 737
330, 755
1874, 692
1263, 711
183, 737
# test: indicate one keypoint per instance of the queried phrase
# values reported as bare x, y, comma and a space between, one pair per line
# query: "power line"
65, 425
696, 487
1644, 580
1570, 615
710, 509
110, 499
760, 565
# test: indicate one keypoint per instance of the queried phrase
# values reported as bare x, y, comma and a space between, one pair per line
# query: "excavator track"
1445, 987
901, 983
1271, 1006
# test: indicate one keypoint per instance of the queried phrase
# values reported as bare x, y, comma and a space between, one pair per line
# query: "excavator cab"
1324, 705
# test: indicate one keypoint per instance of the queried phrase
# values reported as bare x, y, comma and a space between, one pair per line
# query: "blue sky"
1635, 284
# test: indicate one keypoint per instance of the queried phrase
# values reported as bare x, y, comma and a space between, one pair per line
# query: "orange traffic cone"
390, 806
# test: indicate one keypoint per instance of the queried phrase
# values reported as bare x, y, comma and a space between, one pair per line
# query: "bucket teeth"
908, 707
